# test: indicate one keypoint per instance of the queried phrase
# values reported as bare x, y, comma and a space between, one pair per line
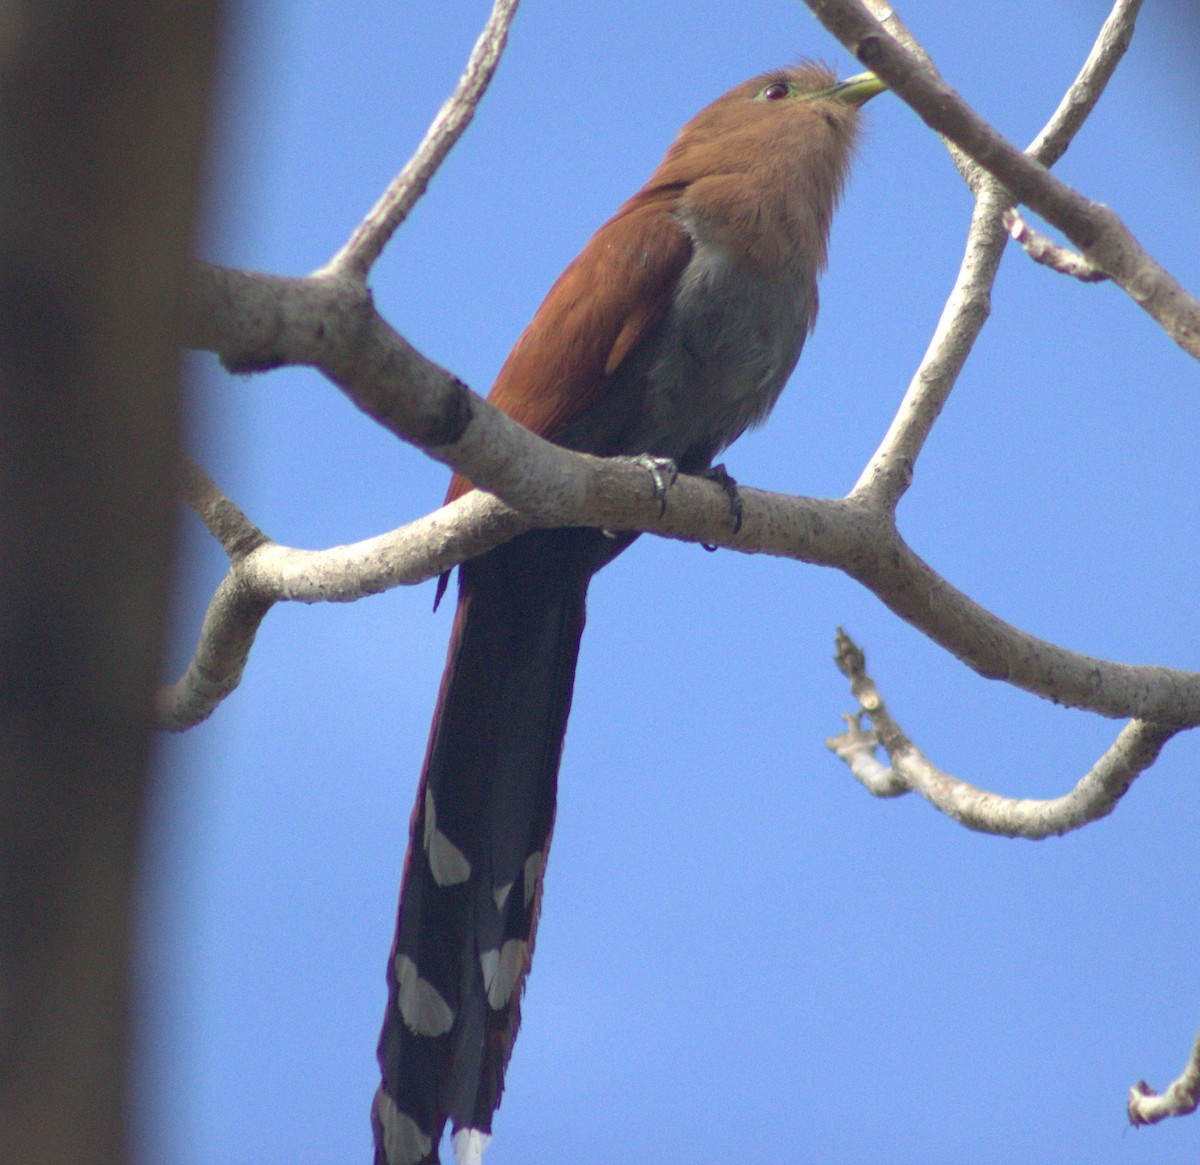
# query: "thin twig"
972, 173
223, 520
1182, 1097
357, 257
1048, 253
889, 473
1081, 96
230, 625
1093, 797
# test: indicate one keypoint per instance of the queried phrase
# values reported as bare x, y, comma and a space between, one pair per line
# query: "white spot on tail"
403, 1141
534, 865
500, 895
469, 1145
421, 1004
447, 862
502, 969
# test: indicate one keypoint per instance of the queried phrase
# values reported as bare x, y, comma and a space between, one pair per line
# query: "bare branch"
1093, 228
356, 258
269, 572
889, 473
1047, 252
613, 494
257, 321
223, 520
1182, 1097
1094, 796
858, 746
1080, 98
972, 173
263, 572
230, 625
997, 650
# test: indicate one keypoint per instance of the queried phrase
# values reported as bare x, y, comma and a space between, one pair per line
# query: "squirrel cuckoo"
671, 333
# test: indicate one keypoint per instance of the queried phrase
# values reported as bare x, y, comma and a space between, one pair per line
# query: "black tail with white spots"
479, 836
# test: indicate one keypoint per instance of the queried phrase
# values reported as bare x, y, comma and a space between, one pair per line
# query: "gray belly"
712, 368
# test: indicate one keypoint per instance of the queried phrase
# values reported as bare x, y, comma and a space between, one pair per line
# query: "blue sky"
742, 955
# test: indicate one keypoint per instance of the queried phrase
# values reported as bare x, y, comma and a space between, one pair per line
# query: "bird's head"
799, 113
775, 149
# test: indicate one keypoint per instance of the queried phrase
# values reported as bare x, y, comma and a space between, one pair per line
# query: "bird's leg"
663, 471
721, 476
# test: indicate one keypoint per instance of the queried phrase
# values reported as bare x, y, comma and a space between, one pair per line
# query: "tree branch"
615, 495
356, 258
1094, 796
1182, 1097
889, 18
1093, 228
889, 473
1085, 91
223, 520
1043, 250
256, 322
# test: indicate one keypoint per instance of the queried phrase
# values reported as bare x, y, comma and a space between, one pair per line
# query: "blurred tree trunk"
103, 105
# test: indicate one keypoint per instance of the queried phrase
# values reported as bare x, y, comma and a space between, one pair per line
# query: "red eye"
776, 91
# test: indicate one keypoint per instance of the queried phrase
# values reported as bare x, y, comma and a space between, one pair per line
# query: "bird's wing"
611, 297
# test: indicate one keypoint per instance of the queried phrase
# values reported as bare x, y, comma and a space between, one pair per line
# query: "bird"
671, 333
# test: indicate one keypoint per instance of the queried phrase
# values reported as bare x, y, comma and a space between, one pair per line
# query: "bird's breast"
718, 361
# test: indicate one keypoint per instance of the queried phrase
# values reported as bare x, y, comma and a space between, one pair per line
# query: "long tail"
480, 834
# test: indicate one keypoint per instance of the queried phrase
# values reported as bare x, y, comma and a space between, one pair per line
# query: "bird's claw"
663, 471
721, 476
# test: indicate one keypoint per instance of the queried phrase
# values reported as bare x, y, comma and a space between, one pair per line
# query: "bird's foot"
721, 476
663, 471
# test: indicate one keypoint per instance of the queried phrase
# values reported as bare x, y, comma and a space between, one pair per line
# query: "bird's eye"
776, 91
